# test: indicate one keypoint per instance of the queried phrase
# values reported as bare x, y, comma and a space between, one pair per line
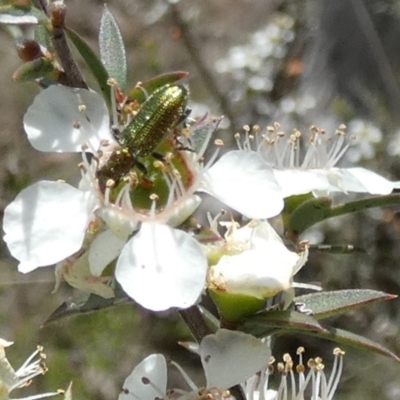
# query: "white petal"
243, 181
231, 357
18, 19
298, 181
363, 181
184, 210
154, 368
261, 272
263, 232
162, 267
46, 223
104, 249
271, 395
54, 121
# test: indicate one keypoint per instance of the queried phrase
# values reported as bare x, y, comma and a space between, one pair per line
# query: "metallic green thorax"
160, 113
156, 118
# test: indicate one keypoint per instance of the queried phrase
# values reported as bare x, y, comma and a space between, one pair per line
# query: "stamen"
238, 141
336, 373
211, 160
154, 198
190, 383
113, 83
107, 194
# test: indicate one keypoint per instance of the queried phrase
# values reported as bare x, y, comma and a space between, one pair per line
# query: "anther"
111, 82
154, 197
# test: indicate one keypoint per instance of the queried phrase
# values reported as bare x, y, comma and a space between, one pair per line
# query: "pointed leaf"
203, 234
364, 204
42, 36
202, 132
308, 214
319, 209
326, 304
39, 68
141, 92
354, 340
93, 62
263, 323
112, 49
85, 303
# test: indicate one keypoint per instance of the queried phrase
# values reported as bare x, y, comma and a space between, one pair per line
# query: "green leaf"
85, 303
112, 49
38, 68
42, 36
142, 91
266, 322
10, 14
354, 340
202, 132
202, 234
309, 213
364, 204
279, 322
326, 304
93, 62
319, 209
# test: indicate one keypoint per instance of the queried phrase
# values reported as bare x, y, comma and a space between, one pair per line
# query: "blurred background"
255, 62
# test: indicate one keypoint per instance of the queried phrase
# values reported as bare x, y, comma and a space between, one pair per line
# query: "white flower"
84, 230
160, 267
228, 358
256, 262
32, 367
312, 385
316, 172
63, 119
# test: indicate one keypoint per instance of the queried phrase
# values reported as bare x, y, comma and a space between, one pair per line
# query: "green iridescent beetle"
159, 114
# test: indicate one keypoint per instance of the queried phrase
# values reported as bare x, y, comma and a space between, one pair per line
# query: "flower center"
284, 151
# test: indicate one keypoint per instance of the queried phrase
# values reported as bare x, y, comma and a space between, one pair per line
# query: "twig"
73, 76
193, 318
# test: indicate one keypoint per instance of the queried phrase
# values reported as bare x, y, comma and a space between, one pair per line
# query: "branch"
73, 76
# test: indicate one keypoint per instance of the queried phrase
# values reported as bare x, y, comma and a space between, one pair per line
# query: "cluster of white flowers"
136, 229
84, 229
255, 61
250, 366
